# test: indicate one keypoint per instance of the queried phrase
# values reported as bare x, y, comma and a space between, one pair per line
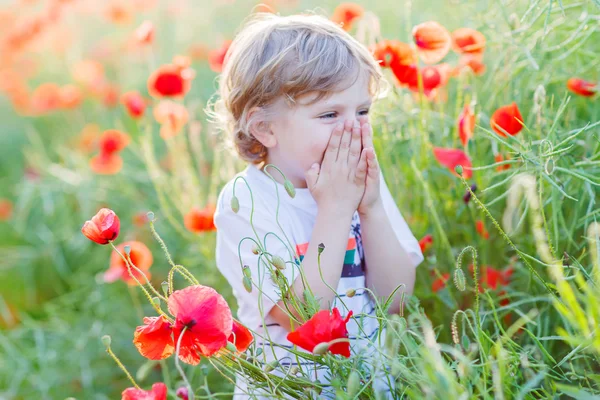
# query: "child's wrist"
375, 209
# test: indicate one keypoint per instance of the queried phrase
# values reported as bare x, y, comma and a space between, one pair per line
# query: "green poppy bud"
321, 348
247, 272
458, 169
459, 279
247, 282
235, 204
271, 366
255, 250
278, 262
350, 292
289, 188
353, 385
150, 216
231, 347
127, 249
165, 288
321, 248
106, 341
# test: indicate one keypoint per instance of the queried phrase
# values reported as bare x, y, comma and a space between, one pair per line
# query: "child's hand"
372, 195
339, 182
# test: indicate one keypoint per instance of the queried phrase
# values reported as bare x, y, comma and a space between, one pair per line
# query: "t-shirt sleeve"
403, 232
234, 251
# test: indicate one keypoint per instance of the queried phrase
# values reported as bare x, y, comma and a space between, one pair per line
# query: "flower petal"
154, 340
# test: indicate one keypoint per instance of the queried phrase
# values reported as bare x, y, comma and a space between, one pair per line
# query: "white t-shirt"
289, 239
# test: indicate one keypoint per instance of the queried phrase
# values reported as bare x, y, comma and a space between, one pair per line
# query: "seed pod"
165, 288
246, 271
321, 348
321, 248
150, 216
289, 188
459, 279
350, 292
235, 204
127, 249
278, 262
106, 341
458, 169
247, 284
353, 385
156, 301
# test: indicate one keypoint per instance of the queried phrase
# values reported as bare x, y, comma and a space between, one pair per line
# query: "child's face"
302, 133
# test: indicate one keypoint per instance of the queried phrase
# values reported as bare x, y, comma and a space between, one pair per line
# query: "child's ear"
260, 128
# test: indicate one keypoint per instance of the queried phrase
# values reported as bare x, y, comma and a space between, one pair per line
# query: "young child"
295, 92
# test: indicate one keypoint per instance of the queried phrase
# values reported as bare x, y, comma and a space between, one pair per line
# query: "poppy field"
110, 168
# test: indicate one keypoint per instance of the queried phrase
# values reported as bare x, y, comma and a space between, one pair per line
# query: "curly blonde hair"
287, 56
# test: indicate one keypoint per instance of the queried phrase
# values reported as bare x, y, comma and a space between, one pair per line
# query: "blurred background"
64, 67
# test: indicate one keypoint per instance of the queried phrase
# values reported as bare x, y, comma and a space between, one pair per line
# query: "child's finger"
355, 147
312, 175
373, 170
361, 169
334, 144
345, 143
367, 135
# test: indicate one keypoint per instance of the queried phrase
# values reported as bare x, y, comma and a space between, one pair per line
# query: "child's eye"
333, 114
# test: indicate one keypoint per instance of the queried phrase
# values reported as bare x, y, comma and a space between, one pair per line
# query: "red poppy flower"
140, 256
240, 336
390, 52
158, 392
112, 141
172, 117
450, 158
440, 283
200, 220
468, 41
581, 87
425, 243
323, 327
499, 158
144, 34
207, 317
466, 125
106, 164
45, 98
433, 41
70, 96
431, 78
103, 227
492, 278
216, 57
507, 119
182, 393
406, 75
110, 94
170, 80
134, 103
345, 14
468, 62
6, 208
480, 228
154, 340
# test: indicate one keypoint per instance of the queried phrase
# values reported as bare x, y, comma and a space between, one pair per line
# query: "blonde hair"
288, 56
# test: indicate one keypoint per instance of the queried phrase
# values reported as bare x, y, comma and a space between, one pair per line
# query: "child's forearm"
387, 263
331, 228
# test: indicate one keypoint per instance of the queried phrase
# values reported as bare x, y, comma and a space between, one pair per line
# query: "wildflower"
492, 278
134, 104
45, 98
507, 119
141, 258
346, 13
393, 52
431, 79
103, 227
433, 41
480, 228
216, 57
158, 392
581, 87
499, 158
140, 219
467, 196
112, 141
240, 336
466, 62
468, 41
440, 282
70, 96
200, 220
450, 158
466, 125
170, 80
144, 34
182, 393
172, 117
106, 164
323, 327
153, 339
426, 242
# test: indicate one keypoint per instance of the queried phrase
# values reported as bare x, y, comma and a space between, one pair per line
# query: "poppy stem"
181, 372
120, 364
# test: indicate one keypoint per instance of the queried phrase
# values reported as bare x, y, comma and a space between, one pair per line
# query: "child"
295, 92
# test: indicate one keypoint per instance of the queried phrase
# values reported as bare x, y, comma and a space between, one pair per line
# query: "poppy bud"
156, 301
271, 366
247, 284
127, 249
353, 385
246, 271
321, 348
150, 216
258, 352
321, 248
182, 393
106, 341
459, 279
549, 166
294, 370
458, 169
231, 347
165, 288
255, 250
467, 196
235, 204
350, 292
278, 262
289, 188
103, 227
